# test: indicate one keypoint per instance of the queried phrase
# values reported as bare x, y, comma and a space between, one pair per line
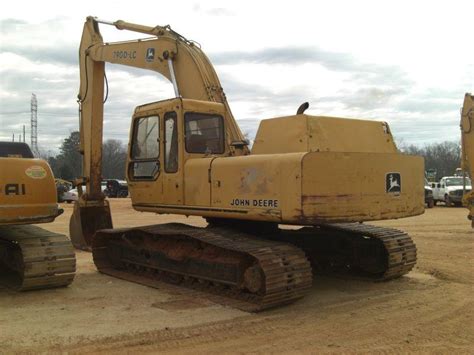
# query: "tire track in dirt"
428, 311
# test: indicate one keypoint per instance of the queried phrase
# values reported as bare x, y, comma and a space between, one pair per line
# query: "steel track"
212, 260
357, 250
33, 258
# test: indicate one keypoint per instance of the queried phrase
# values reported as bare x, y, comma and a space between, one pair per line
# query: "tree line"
67, 164
443, 157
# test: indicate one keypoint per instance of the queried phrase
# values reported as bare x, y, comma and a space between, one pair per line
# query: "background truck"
450, 190
429, 201
116, 188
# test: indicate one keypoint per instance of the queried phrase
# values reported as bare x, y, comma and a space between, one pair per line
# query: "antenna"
34, 125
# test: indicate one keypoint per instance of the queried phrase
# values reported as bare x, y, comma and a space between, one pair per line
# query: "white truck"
450, 190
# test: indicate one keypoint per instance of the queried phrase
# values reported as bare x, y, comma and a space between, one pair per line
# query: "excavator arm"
179, 60
467, 143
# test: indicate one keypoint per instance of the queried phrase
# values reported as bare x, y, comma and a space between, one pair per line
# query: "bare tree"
67, 164
443, 157
114, 156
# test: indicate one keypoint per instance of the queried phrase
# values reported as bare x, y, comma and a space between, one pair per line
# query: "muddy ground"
429, 310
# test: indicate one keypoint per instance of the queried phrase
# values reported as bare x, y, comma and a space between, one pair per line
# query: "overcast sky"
405, 62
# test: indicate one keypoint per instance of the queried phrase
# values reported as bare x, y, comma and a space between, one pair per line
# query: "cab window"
204, 133
145, 148
171, 142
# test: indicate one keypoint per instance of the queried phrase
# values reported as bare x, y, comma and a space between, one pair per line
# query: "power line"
34, 125
42, 112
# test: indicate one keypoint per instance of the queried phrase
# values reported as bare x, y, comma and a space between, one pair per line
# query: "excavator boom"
168, 53
467, 143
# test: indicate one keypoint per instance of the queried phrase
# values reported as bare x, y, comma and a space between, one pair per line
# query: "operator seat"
196, 143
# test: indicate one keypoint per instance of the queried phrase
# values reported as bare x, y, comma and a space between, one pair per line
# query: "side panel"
266, 186
346, 187
345, 135
304, 133
301, 188
27, 191
271, 132
197, 187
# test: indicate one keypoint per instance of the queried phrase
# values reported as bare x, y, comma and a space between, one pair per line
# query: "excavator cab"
166, 134
163, 136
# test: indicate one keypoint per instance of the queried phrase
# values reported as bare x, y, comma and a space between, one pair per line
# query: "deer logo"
393, 183
150, 54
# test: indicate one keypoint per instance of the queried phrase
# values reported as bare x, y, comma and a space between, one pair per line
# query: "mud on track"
431, 309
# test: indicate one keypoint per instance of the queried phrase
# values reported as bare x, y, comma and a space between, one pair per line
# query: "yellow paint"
27, 191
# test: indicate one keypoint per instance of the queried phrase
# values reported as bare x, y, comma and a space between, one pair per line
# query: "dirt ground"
429, 310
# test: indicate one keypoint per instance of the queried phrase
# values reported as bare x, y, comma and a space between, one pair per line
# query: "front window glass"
145, 148
145, 169
456, 181
204, 133
146, 143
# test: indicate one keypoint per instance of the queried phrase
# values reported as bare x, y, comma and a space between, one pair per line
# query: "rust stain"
262, 187
315, 200
313, 197
271, 213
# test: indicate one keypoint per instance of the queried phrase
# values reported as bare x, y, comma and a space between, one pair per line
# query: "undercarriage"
259, 270
33, 258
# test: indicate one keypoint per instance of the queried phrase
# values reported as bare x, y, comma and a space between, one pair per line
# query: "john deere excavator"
322, 175
467, 144
30, 257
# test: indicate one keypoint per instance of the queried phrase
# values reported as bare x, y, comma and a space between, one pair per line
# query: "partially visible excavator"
467, 144
324, 176
31, 257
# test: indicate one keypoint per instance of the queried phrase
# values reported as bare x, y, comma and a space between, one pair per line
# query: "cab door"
145, 160
173, 170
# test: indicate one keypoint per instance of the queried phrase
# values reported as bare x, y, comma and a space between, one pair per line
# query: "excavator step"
256, 274
33, 258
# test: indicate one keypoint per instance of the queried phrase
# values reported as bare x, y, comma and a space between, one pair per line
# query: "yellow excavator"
467, 144
30, 257
323, 176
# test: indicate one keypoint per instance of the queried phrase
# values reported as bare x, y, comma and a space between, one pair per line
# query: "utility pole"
34, 125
